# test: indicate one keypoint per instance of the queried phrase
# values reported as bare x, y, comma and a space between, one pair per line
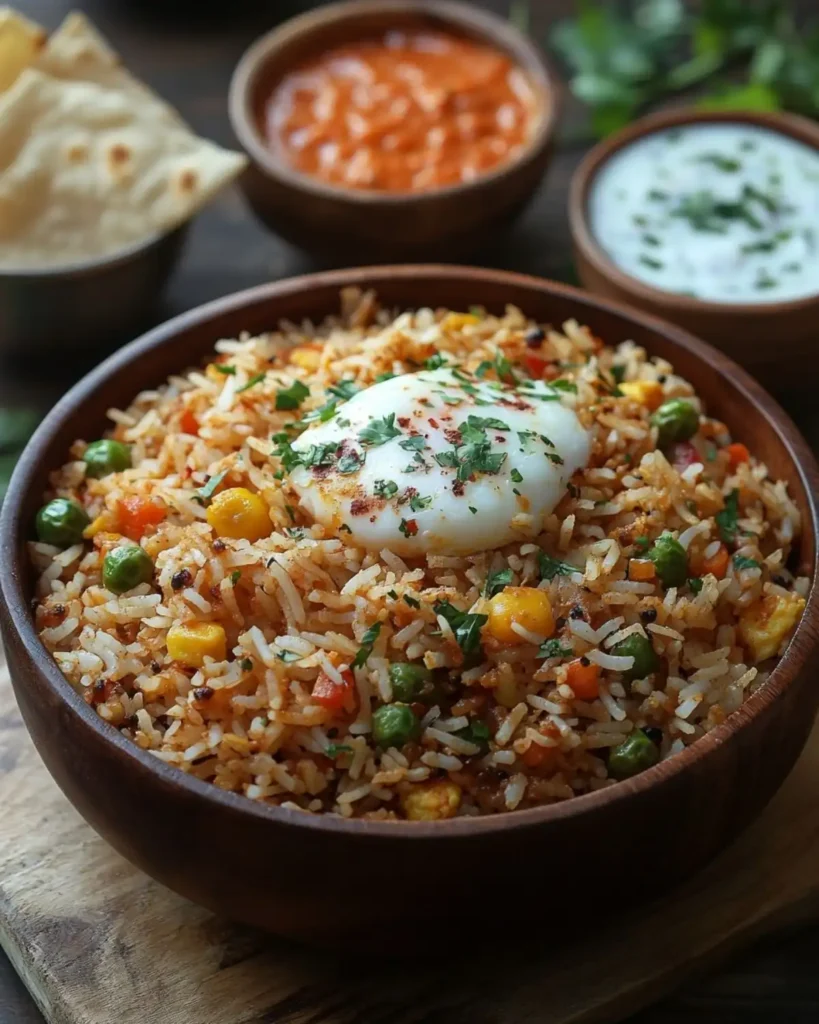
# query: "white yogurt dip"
722, 212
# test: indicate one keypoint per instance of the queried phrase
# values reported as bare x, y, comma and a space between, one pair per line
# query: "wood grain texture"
96, 941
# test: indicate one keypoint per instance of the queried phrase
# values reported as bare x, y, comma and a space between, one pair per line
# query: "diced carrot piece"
536, 756
717, 564
335, 696
189, 423
535, 365
137, 514
584, 678
641, 570
737, 453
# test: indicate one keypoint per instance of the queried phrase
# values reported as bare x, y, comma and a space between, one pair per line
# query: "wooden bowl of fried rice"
223, 705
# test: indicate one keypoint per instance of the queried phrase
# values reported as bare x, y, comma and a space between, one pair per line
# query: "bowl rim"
14, 532
494, 30
96, 263
791, 125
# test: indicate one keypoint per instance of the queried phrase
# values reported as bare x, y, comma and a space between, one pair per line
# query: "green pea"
61, 522
638, 647
676, 420
394, 725
670, 559
104, 457
476, 732
125, 568
634, 755
409, 681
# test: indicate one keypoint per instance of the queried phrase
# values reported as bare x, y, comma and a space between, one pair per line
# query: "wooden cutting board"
97, 942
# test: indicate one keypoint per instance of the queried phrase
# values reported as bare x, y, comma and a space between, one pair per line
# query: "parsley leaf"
418, 504
496, 581
384, 376
378, 432
695, 583
618, 372
223, 368
408, 527
642, 543
551, 567
247, 664
345, 389
292, 397
727, 518
465, 625
411, 601
435, 362
332, 750
413, 444
554, 649
257, 379
517, 476
367, 643
235, 576
742, 562
287, 453
385, 489
561, 384
204, 494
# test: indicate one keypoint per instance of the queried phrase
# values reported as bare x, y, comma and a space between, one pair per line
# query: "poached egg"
440, 461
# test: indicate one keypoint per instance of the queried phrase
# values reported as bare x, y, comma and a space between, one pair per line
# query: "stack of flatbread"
91, 161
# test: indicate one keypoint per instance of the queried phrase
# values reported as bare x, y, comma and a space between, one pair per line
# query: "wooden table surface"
189, 60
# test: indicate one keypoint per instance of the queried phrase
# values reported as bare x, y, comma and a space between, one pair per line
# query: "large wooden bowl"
330, 879
347, 225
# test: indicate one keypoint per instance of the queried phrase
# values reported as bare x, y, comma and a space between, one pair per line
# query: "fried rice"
502, 727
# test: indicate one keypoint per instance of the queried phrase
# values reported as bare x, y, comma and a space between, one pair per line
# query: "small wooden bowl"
86, 305
330, 879
354, 225
776, 341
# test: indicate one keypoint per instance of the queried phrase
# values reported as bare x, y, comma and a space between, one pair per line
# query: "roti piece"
91, 160
20, 42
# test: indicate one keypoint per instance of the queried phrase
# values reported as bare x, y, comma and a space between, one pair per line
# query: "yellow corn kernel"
432, 802
767, 622
192, 642
526, 607
239, 514
457, 321
647, 392
104, 523
307, 358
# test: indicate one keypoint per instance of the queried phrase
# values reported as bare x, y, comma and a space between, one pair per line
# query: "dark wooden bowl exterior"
330, 880
88, 306
338, 224
776, 341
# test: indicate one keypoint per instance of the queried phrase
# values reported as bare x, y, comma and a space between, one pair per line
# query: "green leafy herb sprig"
625, 57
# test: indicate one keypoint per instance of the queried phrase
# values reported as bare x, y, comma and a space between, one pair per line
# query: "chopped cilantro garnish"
366, 648
345, 389
618, 371
742, 562
695, 584
642, 543
503, 368
561, 384
384, 376
385, 489
228, 371
483, 369
378, 432
477, 311
517, 476
288, 657
551, 567
332, 750
472, 509
411, 601
485, 423
247, 664
204, 494
393, 594
727, 518
291, 512
496, 581
256, 379
553, 649
465, 625
435, 362
235, 576
319, 455
292, 397
418, 504
413, 444
350, 462
651, 262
